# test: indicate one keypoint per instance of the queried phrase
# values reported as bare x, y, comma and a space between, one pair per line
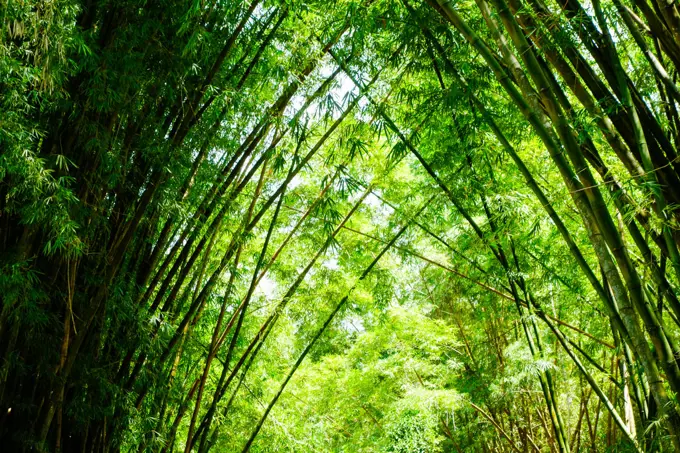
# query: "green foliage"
354, 226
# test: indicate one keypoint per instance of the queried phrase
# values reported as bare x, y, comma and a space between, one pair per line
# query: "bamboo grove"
345, 226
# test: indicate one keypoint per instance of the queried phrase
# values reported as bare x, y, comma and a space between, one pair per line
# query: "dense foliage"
345, 226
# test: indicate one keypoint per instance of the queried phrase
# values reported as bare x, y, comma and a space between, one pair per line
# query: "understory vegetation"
409, 226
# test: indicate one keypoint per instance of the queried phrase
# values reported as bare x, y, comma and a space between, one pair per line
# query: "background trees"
349, 226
